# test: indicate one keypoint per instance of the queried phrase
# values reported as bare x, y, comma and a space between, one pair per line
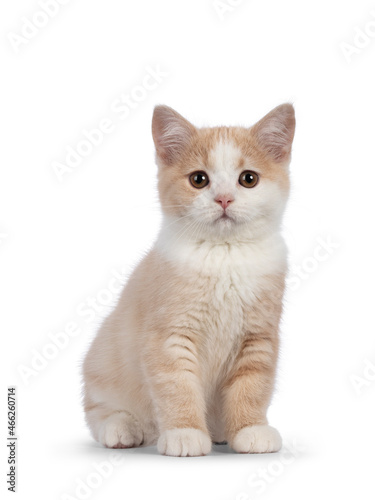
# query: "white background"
61, 242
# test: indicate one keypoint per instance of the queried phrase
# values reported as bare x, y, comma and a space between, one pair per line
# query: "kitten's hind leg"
115, 429
120, 430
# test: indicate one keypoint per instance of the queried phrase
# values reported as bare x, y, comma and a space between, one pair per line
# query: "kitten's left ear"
275, 132
171, 132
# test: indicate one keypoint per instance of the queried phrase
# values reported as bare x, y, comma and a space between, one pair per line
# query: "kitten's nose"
224, 200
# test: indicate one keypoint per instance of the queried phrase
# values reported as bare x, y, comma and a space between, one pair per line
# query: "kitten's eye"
199, 179
248, 179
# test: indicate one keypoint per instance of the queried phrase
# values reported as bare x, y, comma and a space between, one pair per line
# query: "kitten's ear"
275, 132
171, 133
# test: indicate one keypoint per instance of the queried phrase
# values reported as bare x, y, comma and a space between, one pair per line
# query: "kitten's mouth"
224, 216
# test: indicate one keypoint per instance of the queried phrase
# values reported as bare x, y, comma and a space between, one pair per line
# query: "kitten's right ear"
171, 132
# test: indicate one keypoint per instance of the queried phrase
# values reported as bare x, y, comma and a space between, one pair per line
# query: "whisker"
177, 220
185, 229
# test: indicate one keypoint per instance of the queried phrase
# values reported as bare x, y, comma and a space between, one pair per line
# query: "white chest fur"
239, 265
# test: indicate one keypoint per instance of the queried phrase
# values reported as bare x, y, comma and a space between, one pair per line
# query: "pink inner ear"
171, 133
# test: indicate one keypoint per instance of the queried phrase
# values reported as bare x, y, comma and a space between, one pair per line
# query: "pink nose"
224, 200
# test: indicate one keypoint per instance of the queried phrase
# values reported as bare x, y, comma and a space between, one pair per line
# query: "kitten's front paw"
257, 439
184, 443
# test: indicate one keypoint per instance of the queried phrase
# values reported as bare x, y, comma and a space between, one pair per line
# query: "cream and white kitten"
188, 356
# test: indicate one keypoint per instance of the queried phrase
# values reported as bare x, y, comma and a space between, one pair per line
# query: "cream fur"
189, 354
257, 439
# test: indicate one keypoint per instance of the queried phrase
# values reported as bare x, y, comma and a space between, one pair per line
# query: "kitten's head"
223, 183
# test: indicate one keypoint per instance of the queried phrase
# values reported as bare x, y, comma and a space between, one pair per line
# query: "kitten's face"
222, 183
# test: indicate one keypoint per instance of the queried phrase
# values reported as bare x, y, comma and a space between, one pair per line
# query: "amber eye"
199, 179
248, 179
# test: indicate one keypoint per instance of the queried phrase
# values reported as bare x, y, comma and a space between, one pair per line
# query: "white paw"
257, 439
120, 430
184, 443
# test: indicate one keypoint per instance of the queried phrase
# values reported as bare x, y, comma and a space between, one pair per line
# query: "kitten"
189, 354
